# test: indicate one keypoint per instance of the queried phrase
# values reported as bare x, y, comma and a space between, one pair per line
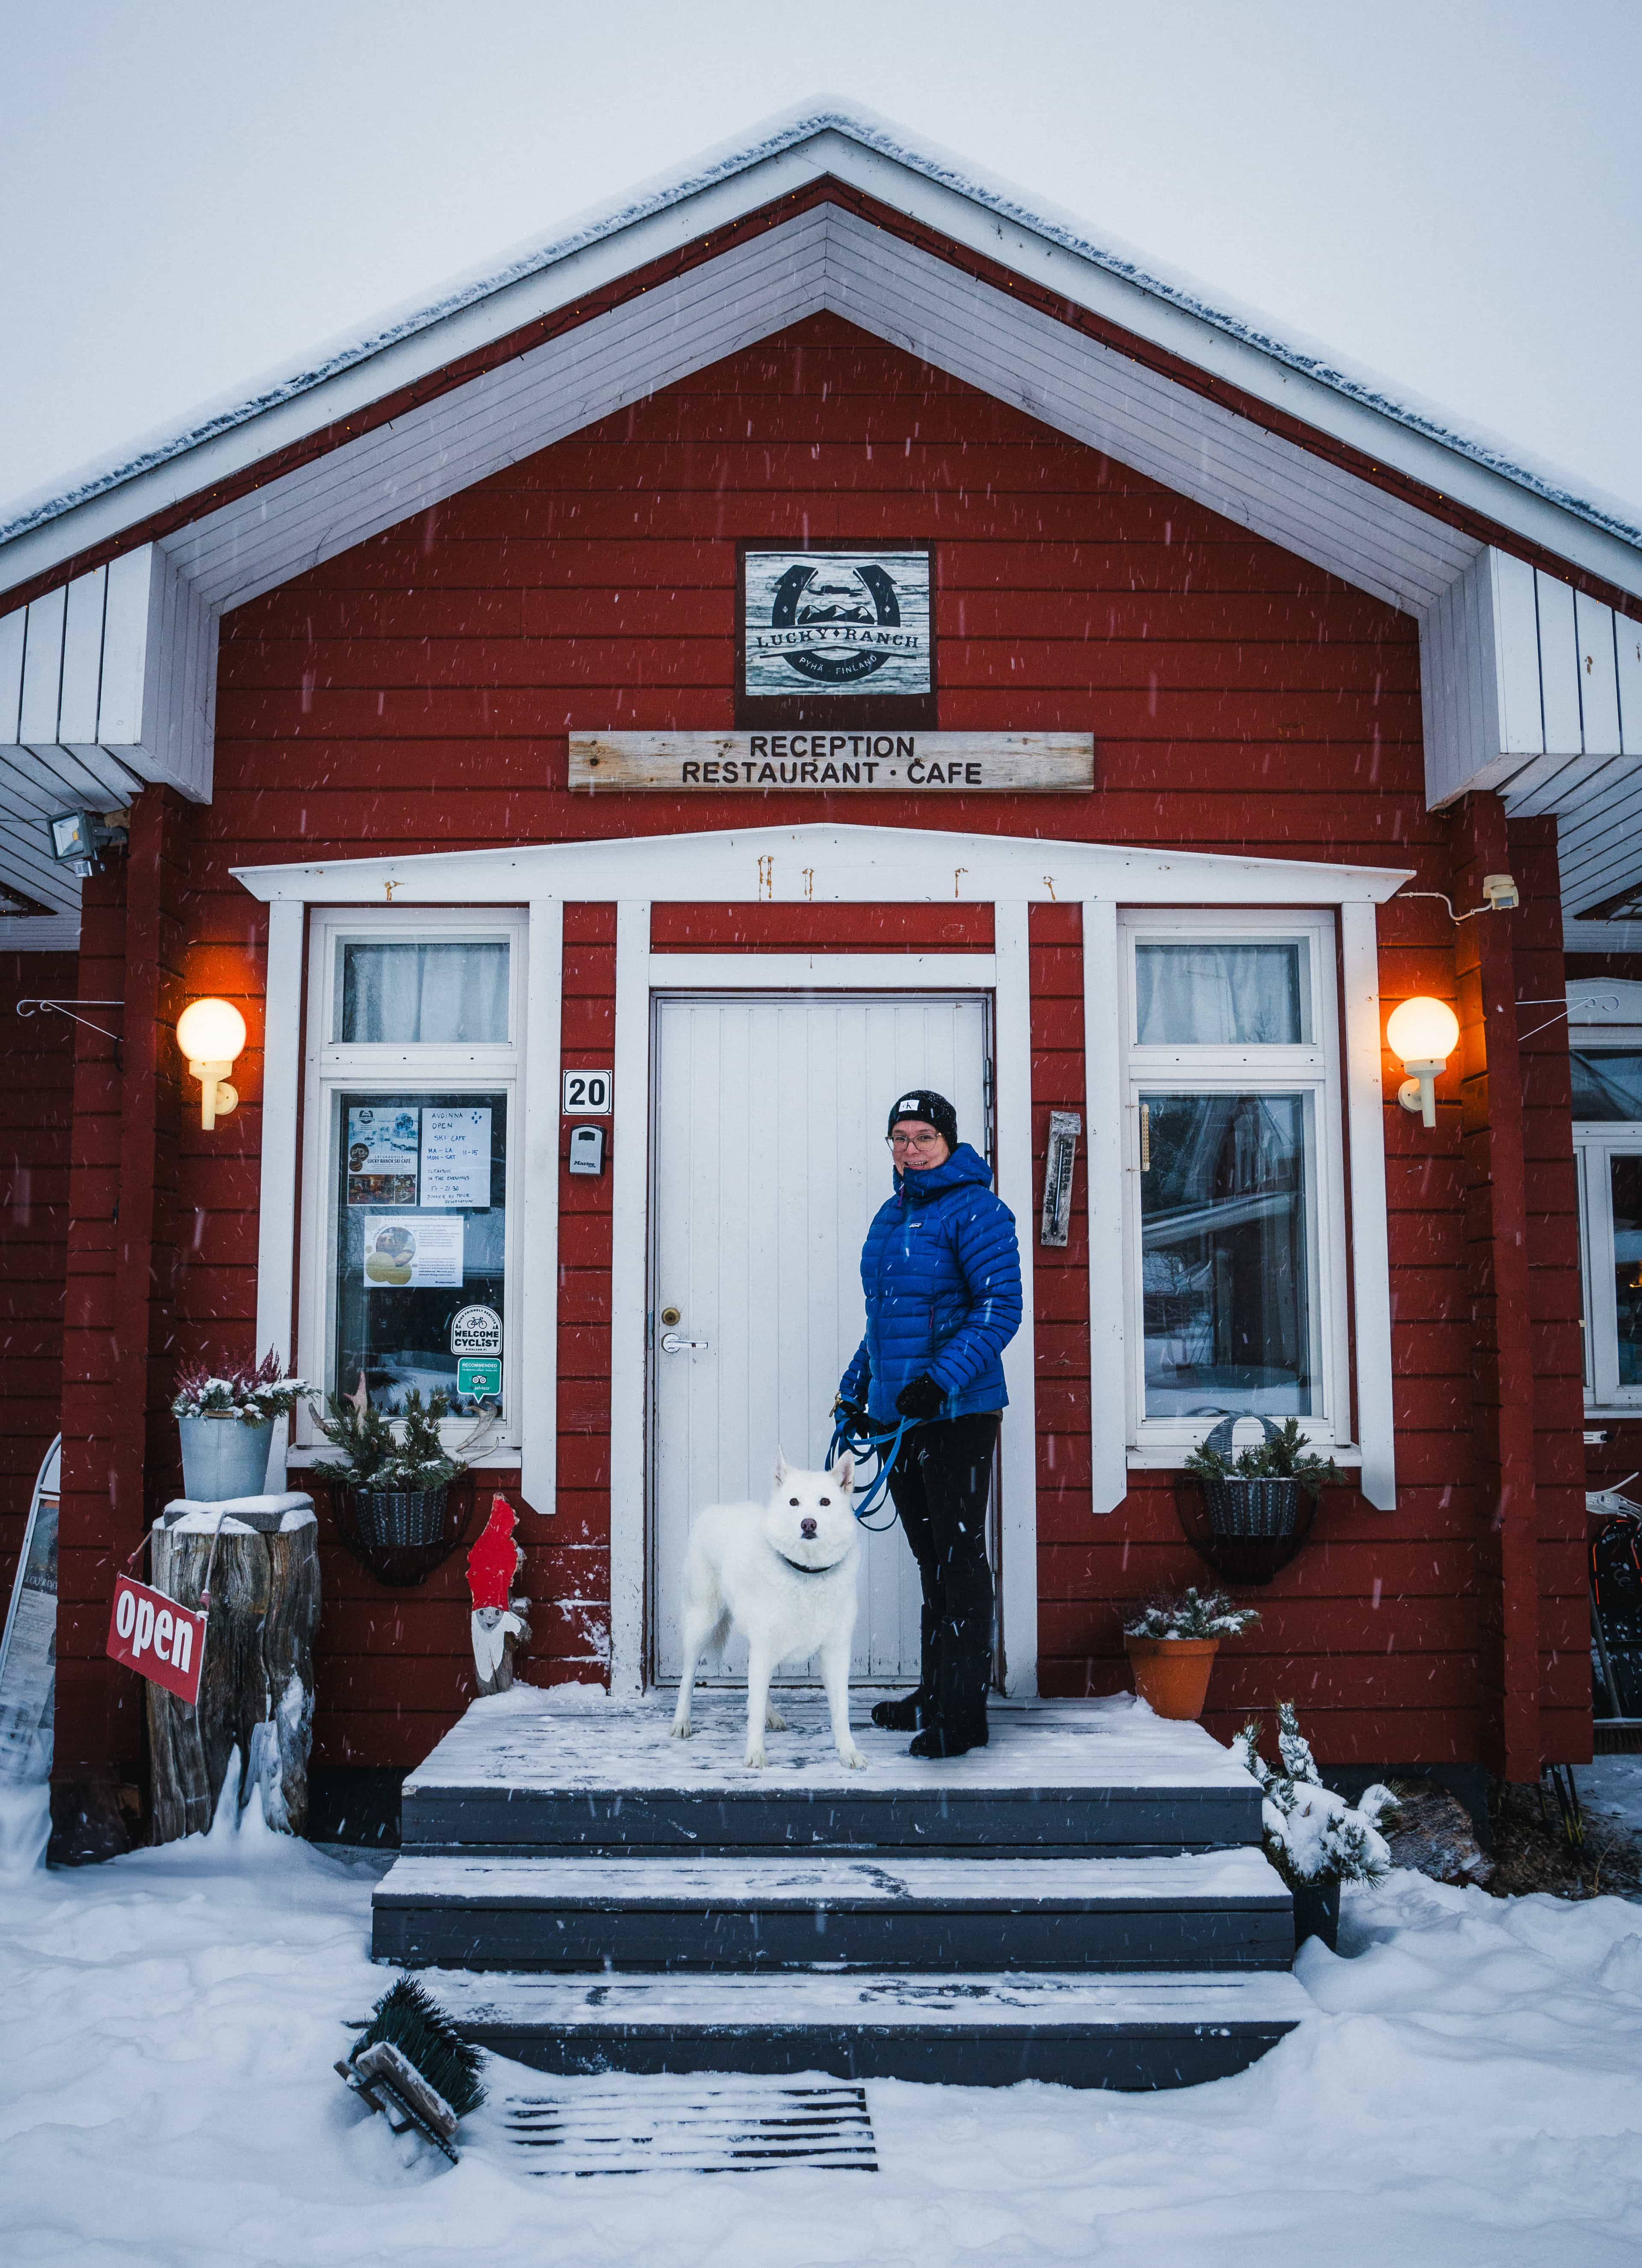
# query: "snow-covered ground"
1469, 2091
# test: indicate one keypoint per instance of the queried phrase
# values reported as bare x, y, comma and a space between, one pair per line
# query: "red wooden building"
447, 694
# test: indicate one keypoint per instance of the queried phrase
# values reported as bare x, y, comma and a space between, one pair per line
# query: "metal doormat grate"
645, 2127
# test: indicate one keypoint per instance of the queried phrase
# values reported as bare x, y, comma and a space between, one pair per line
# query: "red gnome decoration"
498, 1621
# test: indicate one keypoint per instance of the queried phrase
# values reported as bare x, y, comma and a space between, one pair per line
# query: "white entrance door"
769, 1163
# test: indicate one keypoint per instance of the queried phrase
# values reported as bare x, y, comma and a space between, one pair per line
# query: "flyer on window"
417, 1254
456, 1155
384, 1149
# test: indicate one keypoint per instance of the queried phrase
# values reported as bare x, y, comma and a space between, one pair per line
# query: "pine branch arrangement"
374, 1458
1283, 1455
406, 2019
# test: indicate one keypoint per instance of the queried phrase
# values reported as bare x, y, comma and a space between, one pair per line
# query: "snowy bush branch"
1312, 1835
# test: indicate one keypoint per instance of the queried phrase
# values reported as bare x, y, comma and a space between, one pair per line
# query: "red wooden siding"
415, 694
36, 1111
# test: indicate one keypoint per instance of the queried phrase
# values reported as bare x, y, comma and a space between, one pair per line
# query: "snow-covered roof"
1293, 377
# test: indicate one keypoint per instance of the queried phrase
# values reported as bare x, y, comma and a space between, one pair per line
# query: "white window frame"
332, 1066
1595, 1142
1313, 1069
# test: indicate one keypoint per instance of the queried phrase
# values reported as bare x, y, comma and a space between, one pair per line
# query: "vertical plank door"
769, 1160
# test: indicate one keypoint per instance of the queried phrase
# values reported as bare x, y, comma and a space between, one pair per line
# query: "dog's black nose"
807, 1529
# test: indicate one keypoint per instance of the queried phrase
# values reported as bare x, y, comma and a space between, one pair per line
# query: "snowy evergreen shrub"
1312, 1835
1191, 1614
252, 1394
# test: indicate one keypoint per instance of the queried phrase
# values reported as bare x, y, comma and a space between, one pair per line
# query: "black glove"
922, 1399
851, 1415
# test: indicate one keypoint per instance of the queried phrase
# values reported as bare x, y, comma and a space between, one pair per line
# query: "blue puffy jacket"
941, 1273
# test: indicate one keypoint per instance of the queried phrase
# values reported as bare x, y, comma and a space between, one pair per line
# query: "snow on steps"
1222, 1909
976, 2029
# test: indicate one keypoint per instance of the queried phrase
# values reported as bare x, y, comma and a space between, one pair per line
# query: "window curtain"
437, 994
1219, 995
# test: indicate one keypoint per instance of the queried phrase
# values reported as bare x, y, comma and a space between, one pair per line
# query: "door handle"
672, 1343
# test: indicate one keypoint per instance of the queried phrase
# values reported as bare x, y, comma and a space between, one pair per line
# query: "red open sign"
157, 1638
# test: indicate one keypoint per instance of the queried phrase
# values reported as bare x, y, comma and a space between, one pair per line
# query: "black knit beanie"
923, 1102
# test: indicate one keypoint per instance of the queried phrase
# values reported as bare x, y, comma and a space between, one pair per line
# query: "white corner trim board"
1018, 1455
1103, 1170
630, 1276
276, 1221
538, 1242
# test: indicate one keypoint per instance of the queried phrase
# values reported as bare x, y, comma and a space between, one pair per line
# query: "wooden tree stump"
256, 1690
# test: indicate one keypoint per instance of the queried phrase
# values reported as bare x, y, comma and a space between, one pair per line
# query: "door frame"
641, 975
818, 989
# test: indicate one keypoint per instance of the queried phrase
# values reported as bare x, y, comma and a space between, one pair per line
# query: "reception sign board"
929, 764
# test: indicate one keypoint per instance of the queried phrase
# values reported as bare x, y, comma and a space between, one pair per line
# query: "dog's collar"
798, 1568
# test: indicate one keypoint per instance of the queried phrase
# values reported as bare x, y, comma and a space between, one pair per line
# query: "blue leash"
885, 1448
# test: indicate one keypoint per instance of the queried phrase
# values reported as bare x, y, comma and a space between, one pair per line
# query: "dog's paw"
755, 1759
682, 1728
774, 1721
852, 1756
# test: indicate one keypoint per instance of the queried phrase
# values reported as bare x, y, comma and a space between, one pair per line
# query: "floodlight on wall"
1423, 1033
79, 839
211, 1033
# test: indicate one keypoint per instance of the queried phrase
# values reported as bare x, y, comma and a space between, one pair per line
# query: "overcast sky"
194, 193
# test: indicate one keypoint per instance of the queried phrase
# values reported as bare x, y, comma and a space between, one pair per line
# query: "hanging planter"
395, 1501
1253, 1508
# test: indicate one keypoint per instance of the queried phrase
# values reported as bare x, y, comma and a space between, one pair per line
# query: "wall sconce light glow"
212, 1033
1424, 1033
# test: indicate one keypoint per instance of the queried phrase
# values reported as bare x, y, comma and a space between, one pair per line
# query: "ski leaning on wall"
28, 1649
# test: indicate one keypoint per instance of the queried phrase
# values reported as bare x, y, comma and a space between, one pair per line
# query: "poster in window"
842, 633
416, 1255
456, 1156
384, 1147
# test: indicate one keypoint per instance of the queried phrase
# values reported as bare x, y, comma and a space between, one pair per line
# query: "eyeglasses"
911, 1141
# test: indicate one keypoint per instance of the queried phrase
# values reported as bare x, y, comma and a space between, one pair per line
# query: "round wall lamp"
211, 1033
1424, 1033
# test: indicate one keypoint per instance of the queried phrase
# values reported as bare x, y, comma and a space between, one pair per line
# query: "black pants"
940, 1483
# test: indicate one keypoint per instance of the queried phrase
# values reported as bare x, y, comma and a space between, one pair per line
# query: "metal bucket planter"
224, 1457
1246, 1529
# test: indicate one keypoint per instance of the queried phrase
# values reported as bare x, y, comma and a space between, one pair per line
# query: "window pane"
1221, 995
421, 1212
1607, 1083
1225, 1265
437, 994
1627, 1194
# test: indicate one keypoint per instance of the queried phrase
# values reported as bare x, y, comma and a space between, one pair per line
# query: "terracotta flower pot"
1172, 1674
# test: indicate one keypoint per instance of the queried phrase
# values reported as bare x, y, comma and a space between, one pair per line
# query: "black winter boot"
949, 1740
902, 1716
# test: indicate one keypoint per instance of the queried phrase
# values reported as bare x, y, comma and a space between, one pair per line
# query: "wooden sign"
931, 764
830, 633
160, 1641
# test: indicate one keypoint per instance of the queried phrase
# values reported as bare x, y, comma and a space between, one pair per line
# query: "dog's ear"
782, 1466
843, 1474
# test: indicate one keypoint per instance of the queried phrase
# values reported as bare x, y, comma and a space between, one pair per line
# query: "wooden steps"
1218, 1910
1084, 1900
977, 2030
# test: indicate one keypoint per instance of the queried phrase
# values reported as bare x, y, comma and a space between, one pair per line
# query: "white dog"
783, 1572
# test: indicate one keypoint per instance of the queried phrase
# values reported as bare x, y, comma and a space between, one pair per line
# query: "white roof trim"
824, 865
912, 182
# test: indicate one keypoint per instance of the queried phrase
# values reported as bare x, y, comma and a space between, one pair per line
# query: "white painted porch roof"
59, 744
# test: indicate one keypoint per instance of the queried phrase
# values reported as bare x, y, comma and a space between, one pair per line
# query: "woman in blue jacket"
941, 1274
